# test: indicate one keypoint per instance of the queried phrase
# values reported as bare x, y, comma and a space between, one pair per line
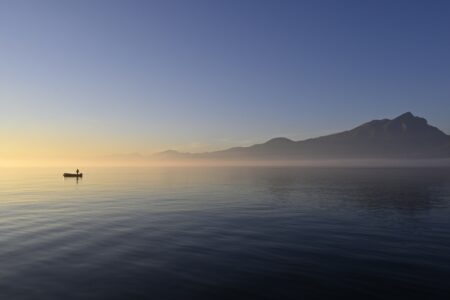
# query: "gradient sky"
106, 77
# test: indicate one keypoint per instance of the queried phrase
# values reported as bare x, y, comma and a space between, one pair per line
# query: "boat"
73, 175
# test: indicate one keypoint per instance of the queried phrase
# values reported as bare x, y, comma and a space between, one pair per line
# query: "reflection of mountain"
406, 136
405, 191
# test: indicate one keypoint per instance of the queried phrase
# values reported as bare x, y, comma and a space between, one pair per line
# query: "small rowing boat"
73, 175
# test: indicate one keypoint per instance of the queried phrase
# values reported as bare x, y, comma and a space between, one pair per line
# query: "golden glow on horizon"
39, 149
24, 145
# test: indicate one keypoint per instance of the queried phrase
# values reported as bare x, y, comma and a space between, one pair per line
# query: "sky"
91, 78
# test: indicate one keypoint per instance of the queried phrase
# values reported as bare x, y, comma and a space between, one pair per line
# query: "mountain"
406, 136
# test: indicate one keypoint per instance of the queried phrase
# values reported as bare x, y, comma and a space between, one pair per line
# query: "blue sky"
143, 76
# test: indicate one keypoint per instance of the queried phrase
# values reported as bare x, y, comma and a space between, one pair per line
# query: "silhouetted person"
78, 171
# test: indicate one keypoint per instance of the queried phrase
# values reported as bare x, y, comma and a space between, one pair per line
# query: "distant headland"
404, 137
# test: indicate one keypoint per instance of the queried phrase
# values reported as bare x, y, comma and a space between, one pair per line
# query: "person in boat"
78, 171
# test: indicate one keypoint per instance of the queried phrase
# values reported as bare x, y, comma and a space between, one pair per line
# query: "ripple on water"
214, 233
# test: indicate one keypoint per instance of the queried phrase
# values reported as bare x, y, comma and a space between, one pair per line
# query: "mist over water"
225, 233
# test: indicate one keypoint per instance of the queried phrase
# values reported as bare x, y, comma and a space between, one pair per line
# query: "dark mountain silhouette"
406, 136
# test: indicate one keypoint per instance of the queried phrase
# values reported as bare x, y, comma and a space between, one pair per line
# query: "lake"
225, 233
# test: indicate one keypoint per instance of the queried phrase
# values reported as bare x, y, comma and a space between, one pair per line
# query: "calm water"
225, 233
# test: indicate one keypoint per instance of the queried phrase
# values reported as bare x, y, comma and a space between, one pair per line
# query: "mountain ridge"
405, 136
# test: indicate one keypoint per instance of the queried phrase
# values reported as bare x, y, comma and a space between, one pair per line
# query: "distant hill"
406, 136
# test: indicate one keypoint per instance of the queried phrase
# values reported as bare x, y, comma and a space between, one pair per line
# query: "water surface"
225, 233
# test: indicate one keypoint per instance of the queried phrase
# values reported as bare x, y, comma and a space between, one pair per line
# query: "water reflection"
225, 233
76, 179
407, 191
